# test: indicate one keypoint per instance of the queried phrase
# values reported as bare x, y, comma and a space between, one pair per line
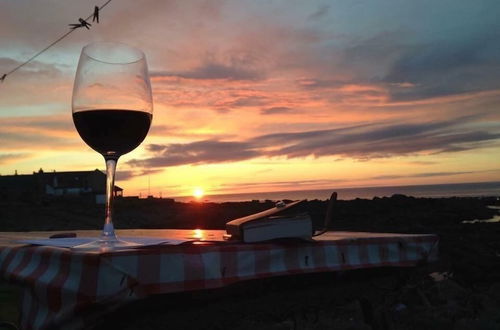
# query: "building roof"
68, 179
17, 182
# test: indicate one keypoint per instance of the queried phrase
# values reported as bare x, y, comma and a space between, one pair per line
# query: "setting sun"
337, 102
198, 193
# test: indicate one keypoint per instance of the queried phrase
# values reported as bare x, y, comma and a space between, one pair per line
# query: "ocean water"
476, 189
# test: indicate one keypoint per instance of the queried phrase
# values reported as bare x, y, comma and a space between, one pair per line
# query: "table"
64, 288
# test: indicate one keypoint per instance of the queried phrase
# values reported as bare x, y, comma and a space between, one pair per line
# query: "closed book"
274, 223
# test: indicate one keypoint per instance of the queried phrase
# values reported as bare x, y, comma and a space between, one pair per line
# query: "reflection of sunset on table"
8, 238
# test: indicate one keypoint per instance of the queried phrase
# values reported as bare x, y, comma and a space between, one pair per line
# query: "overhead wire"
2, 78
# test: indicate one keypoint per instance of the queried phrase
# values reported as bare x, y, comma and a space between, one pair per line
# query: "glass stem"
108, 232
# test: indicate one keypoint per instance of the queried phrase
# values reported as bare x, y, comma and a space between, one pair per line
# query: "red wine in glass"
112, 110
112, 132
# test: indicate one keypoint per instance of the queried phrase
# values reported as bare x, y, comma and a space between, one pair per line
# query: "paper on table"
74, 241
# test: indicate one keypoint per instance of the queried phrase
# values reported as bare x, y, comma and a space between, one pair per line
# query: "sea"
475, 189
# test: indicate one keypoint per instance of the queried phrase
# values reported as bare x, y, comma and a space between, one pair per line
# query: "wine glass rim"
139, 54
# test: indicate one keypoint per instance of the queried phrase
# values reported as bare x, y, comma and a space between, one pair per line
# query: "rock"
284, 325
400, 307
438, 277
449, 289
352, 311
494, 291
349, 325
429, 322
470, 324
489, 308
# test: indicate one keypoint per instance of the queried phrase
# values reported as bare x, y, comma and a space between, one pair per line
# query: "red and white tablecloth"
68, 289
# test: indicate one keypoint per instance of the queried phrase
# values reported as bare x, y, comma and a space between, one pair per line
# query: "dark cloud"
410, 69
320, 12
422, 175
316, 83
385, 141
276, 110
211, 70
6, 62
155, 147
283, 184
201, 152
124, 175
34, 69
446, 68
431, 174
248, 101
422, 162
365, 59
360, 142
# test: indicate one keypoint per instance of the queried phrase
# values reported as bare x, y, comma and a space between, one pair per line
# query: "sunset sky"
269, 95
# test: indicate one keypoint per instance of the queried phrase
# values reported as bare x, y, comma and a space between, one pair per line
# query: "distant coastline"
470, 189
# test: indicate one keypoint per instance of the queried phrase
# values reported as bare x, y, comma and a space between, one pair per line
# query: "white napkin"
74, 241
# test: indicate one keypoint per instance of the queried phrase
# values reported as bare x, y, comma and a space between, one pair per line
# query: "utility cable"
82, 23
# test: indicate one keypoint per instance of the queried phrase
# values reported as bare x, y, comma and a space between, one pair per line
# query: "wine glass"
112, 111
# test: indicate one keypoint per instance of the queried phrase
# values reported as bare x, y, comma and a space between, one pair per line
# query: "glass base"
105, 245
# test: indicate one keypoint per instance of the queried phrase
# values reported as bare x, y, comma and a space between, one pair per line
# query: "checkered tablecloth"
67, 289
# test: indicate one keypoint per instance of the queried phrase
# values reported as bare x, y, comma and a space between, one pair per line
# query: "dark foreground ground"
461, 291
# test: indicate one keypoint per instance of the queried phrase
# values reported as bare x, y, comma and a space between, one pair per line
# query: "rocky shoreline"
461, 291
398, 213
